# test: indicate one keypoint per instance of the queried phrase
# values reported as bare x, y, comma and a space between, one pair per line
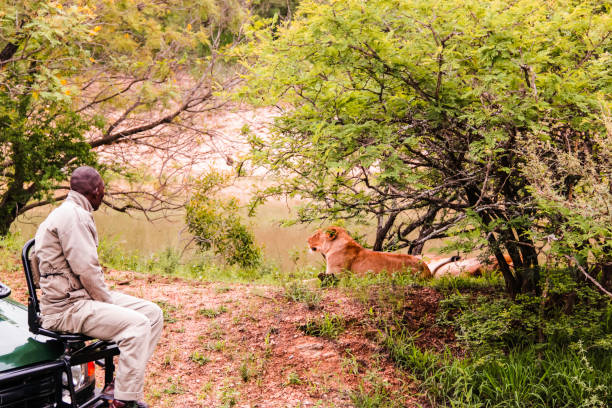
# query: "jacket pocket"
50, 322
75, 282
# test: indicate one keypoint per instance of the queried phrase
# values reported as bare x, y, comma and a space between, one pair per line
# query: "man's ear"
331, 233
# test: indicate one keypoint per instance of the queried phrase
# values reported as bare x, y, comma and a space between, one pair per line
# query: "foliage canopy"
82, 80
444, 118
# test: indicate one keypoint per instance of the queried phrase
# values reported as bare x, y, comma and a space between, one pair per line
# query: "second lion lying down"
341, 252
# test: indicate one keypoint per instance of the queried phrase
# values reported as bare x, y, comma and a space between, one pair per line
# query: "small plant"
175, 386
167, 360
216, 346
298, 292
205, 390
251, 367
245, 371
229, 396
216, 332
293, 379
199, 358
211, 313
328, 326
350, 364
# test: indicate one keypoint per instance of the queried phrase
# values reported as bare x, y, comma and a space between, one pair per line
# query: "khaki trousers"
134, 324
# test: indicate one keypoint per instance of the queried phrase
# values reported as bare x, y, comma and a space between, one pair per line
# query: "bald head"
87, 181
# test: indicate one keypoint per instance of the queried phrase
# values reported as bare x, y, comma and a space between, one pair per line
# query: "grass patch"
375, 392
528, 377
212, 313
199, 358
329, 326
167, 310
175, 387
299, 292
10, 247
378, 397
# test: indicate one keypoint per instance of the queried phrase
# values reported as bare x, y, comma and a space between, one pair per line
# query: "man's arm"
81, 252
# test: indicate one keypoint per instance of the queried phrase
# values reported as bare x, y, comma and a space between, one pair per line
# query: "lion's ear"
331, 233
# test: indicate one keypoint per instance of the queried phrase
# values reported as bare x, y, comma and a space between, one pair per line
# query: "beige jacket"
66, 245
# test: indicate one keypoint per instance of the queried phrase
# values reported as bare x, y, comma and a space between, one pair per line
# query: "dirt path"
239, 345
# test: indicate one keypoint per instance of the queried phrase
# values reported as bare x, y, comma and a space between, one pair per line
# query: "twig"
589, 277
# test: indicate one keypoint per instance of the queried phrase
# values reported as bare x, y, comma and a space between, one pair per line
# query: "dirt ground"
239, 345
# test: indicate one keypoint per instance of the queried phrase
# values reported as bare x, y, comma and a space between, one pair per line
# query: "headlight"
82, 376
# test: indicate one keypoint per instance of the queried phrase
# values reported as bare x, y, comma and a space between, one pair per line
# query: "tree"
118, 84
420, 116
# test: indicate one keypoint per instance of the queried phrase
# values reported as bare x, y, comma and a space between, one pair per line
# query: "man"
74, 297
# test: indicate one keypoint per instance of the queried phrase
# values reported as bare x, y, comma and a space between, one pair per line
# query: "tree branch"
589, 277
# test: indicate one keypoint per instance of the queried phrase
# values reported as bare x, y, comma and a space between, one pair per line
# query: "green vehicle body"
19, 347
34, 368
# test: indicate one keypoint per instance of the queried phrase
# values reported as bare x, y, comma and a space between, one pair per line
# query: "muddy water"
285, 246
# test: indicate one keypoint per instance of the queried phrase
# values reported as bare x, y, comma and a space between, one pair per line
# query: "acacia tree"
103, 83
419, 115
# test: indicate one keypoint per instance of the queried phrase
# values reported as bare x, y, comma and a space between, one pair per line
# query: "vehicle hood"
19, 347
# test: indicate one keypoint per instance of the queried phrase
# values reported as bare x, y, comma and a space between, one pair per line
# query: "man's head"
87, 181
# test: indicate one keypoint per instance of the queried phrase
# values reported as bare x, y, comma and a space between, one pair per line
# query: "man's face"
97, 196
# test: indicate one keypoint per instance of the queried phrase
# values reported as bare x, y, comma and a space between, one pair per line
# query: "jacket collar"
80, 200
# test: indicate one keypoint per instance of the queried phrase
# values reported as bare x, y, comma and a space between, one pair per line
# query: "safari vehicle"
40, 368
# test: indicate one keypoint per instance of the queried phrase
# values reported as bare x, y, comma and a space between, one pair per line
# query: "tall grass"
10, 247
201, 266
556, 377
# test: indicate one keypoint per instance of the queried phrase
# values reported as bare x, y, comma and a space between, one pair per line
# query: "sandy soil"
240, 345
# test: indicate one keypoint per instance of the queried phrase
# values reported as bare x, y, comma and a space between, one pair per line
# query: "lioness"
342, 252
471, 266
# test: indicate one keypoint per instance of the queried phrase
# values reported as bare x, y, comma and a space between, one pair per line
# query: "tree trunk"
513, 286
382, 229
12, 200
530, 268
7, 216
426, 228
16, 196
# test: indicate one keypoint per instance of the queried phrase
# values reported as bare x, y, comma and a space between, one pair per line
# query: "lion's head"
322, 240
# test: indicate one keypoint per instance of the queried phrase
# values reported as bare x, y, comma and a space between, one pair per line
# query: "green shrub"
551, 350
10, 245
217, 225
567, 312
